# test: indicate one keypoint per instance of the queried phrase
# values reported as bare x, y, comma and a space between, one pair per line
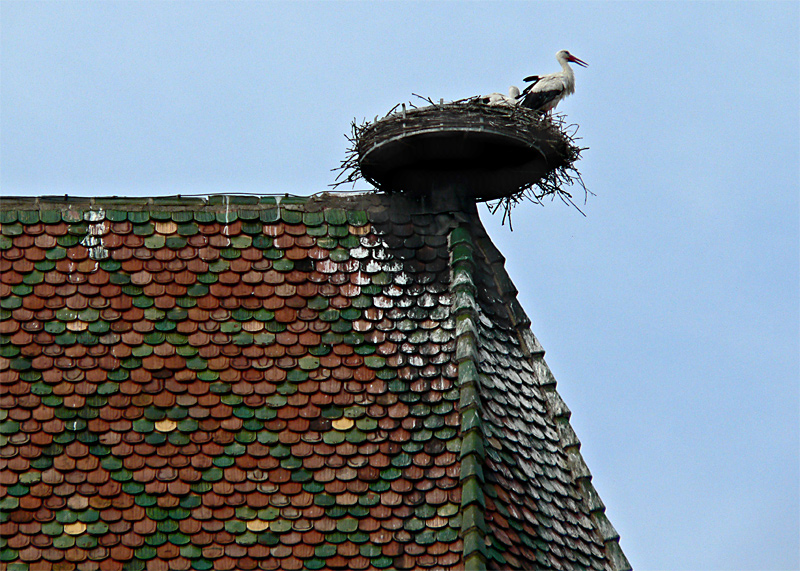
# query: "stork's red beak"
580, 62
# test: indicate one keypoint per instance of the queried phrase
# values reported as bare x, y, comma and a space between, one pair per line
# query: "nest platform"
487, 152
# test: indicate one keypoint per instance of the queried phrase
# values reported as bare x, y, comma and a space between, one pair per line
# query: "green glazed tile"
460, 235
313, 218
116, 215
197, 290
370, 550
175, 242
142, 351
191, 551
212, 475
339, 255
177, 413
273, 254
426, 537
327, 243
52, 528
11, 302
291, 216
119, 279
262, 242
235, 527
301, 475
203, 216
177, 314
155, 241
68, 241
160, 215
335, 216
336, 537
227, 217
280, 526
191, 502
369, 499
241, 241
63, 541
357, 217
142, 302
313, 487
89, 516
138, 217
178, 439
247, 538
283, 265
321, 230
8, 216
28, 216
87, 541
219, 266
8, 554
382, 562
179, 513
358, 512
66, 516
50, 216
324, 500
9, 351
252, 228
349, 241
155, 438
187, 229
145, 552
270, 215
12, 229
249, 215
143, 229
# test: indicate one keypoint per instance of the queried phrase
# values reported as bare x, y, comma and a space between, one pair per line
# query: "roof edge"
561, 413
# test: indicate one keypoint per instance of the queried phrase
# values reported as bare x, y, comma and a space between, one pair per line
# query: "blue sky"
669, 313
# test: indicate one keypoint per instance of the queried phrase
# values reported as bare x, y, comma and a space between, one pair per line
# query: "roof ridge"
534, 352
473, 502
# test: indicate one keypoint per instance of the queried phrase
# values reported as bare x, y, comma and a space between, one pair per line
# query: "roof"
328, 382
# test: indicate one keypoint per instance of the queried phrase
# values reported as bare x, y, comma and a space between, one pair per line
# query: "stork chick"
499, 99
547, 91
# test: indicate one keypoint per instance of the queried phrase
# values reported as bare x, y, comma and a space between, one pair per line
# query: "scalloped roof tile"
277, 383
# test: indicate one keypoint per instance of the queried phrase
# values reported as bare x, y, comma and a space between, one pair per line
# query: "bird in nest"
547, 91
499, 99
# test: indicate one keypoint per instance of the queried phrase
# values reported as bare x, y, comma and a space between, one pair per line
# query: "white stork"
499, 99
547, 91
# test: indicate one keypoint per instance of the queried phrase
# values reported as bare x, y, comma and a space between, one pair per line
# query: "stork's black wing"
537, 100
534, 79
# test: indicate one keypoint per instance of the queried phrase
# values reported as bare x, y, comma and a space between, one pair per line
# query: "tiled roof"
295, 383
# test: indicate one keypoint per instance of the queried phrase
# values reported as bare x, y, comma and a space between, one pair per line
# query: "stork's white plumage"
547, 91
499, 99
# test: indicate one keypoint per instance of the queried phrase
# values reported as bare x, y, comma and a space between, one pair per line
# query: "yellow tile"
343, 423
75, 528
166, 425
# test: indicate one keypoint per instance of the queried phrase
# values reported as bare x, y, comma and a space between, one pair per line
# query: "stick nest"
516, 121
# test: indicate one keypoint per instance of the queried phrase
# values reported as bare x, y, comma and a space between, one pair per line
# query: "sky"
670, 312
